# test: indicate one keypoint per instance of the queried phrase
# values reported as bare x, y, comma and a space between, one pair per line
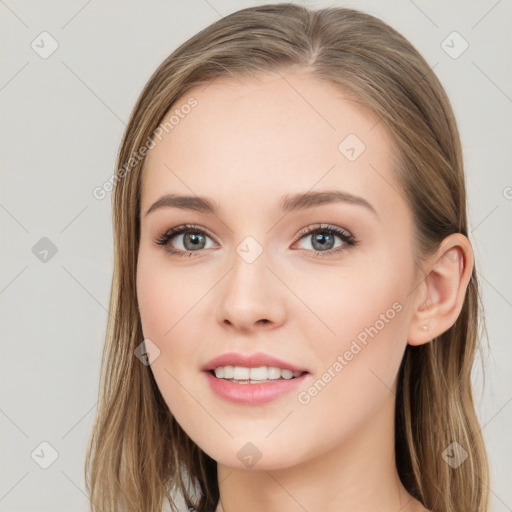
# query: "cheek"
153, 299
167, 301
356, 367
363, 325
163, 309
165, 295
349, 303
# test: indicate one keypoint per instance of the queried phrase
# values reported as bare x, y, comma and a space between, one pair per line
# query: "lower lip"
253, 394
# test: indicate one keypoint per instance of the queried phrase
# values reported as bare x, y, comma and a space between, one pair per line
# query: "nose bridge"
250, 292
248, 280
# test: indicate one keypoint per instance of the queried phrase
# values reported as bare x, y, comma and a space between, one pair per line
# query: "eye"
323, 239
191, 239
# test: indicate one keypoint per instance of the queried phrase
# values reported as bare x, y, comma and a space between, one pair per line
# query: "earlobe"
441, 294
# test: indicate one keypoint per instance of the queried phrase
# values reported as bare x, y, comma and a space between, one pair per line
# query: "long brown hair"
138, 453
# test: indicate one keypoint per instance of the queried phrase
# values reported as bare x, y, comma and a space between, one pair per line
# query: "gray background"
62, 119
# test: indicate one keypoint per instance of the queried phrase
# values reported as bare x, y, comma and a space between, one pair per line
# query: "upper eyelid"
323, 227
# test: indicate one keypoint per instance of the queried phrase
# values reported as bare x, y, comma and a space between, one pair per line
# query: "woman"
291, 244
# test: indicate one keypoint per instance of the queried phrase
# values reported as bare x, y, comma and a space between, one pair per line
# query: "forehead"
287, 131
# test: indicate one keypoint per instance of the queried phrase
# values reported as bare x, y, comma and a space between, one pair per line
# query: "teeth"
286, 374
262, 373
273, 373
241, 373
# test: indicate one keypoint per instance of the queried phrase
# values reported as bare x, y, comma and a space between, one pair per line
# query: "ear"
439, 298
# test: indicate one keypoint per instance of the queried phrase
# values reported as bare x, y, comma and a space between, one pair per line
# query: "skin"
245, 145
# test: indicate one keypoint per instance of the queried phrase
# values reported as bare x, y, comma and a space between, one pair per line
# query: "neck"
359, 474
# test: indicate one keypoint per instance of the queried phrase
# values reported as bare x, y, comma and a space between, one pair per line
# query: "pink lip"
250, 361
251, 394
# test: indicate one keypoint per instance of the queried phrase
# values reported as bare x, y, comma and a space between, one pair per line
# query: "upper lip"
250, 361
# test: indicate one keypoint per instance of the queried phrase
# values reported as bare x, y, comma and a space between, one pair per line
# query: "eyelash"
347, 238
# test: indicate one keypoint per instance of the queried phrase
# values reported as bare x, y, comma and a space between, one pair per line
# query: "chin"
253, 456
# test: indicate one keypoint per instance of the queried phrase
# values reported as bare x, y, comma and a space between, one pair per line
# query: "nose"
251, 297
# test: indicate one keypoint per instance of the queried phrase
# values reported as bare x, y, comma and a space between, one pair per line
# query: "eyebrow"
288, 203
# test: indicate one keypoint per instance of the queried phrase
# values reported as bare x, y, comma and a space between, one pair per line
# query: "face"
323, 285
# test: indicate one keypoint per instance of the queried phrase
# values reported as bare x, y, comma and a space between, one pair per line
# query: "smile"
261, 374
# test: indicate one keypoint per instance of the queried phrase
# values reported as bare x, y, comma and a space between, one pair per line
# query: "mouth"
254, 375
252, 379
